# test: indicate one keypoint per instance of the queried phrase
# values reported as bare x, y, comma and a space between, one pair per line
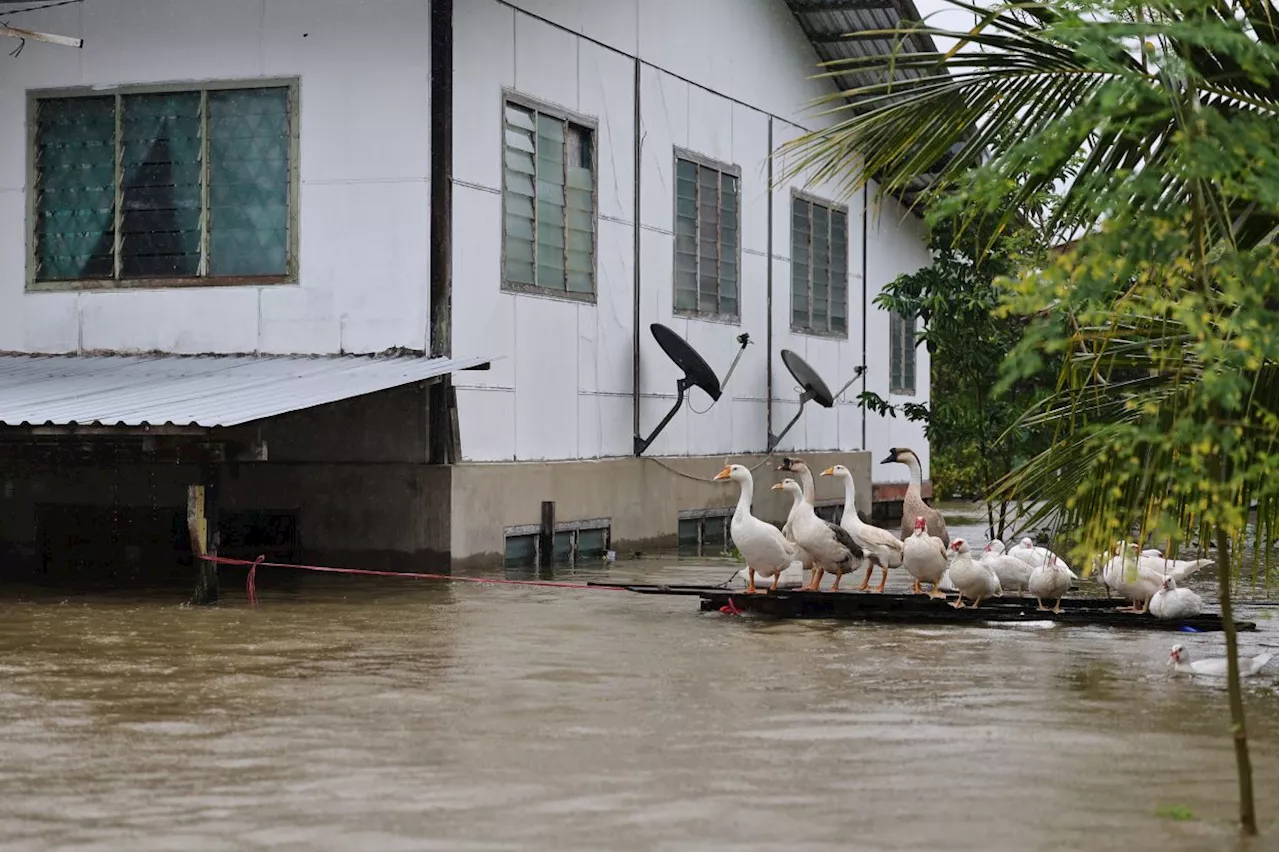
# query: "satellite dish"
813, 386
808, 379
697, 374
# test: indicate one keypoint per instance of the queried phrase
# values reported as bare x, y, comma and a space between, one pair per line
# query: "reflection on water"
370, 713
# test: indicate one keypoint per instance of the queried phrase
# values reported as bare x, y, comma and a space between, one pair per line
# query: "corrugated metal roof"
195, 390
826, 23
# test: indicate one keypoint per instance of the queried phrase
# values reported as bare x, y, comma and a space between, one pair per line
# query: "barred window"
179, 186
902, 354
707, 228
548, 192
819, 267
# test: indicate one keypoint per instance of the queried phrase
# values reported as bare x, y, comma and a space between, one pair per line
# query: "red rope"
252, 592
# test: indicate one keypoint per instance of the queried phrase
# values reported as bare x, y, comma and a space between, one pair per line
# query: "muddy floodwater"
353, 713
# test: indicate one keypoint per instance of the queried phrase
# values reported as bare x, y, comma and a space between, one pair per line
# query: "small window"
704, 532
819, 267
574, 543
902, 354
521, 550
180, 187
706, 239
548, 198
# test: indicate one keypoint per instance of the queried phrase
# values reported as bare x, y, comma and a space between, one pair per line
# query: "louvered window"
819, 267
902, 354
548, 185
707, 228
166, 187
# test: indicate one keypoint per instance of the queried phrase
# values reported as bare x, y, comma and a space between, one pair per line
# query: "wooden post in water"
547, 534
202, 528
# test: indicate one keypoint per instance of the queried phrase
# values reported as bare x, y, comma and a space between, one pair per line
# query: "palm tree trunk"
1244, 772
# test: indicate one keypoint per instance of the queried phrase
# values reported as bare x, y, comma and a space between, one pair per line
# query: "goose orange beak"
831, 471
724, 474
777, 486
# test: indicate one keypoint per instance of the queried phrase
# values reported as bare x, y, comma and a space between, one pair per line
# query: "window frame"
202, 87
899, 344
831, 207
591, 123
723, 168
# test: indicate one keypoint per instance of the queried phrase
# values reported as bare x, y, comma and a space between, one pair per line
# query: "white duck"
1178, 569
1137, 579
763, 546
1014, 573
972, 579
881, 547
828, 545
1051, 580
1180, 659
1170, 602
925, 558
1034, 555
1132, 580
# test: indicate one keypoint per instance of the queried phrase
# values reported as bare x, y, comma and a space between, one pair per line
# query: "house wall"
565, 389
895, 246
363, 165
715, 77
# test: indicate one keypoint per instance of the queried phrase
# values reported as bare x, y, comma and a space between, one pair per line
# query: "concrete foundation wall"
640, 497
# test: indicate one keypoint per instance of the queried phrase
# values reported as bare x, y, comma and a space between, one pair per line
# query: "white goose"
828, 545
925, 558
881, 547
1051, 580
1180, 659
805, 477
1014, 573
1170, 603
972, 579
763, 546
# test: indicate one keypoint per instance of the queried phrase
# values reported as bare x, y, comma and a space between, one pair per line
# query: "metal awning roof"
196, 390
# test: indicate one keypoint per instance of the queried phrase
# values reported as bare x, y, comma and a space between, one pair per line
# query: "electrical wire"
677, 472
9, 12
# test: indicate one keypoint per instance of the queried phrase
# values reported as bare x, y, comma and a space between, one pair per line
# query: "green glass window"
902, 354
167, 185
819, 267
592, 543
548, 189
706, 255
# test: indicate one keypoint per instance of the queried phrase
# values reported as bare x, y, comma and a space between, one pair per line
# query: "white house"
269, 178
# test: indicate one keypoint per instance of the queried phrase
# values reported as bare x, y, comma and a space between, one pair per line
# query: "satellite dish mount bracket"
639, 444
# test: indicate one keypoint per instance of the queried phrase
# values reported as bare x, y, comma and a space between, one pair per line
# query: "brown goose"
913, 505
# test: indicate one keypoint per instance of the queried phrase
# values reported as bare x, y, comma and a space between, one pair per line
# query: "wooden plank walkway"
920, 609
